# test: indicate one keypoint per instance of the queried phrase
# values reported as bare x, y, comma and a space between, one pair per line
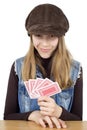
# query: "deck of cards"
41, 87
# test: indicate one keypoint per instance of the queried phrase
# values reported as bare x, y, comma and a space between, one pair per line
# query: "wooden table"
26, 125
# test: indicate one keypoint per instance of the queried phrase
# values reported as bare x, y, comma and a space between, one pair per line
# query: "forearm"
11, 111
65, 115
77, 106
17, 116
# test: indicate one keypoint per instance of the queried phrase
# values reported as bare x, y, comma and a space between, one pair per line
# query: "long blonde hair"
60, 64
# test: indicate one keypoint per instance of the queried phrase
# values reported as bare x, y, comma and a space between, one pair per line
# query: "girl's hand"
48, 107
37, 117
52, 122
45, 121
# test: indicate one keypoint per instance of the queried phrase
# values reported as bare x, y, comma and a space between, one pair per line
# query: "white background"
14, 41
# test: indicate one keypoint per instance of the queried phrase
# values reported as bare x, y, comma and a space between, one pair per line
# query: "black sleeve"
77, 106
11, 111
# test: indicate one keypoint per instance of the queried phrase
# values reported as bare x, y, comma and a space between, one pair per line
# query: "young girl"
47, 57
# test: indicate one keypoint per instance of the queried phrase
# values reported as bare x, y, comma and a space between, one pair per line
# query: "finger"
56, 122
48, 121
63, 123
45, 99
44, 108
46, 111
42, 123
49, 104
43, 103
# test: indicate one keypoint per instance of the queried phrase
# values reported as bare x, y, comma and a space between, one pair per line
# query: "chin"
45, 57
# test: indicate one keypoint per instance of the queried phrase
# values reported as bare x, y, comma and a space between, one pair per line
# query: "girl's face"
45, 44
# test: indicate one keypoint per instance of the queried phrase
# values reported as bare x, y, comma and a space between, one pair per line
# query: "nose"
45, 41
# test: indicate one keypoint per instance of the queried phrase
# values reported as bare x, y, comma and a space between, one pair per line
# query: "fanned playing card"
41, 87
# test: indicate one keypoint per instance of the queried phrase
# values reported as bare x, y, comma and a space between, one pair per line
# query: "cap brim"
46, 29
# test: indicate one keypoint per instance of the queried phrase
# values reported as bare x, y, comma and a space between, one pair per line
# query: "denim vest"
64, 99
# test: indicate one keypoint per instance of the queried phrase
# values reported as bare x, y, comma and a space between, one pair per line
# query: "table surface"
27, 125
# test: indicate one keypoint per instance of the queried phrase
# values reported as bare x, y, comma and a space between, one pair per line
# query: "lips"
45, 50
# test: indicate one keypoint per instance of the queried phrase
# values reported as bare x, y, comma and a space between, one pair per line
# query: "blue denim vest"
64, 99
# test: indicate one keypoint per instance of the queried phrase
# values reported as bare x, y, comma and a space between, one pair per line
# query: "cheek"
35, 43
55, 44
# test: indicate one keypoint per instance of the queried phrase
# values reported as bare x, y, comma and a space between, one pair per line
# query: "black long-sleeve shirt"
11, 111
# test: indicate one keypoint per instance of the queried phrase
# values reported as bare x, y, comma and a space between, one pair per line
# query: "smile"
45, 50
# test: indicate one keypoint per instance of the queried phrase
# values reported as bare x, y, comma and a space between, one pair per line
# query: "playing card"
44, 83
33, 95
50, 90
37, 83
31, 84
27, 86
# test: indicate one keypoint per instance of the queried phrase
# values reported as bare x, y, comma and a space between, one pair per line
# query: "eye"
52, 35
38, 35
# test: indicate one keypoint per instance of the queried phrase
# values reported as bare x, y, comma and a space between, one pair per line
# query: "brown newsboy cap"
47, 19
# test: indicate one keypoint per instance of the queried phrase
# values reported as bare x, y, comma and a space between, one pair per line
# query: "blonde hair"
60, 64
